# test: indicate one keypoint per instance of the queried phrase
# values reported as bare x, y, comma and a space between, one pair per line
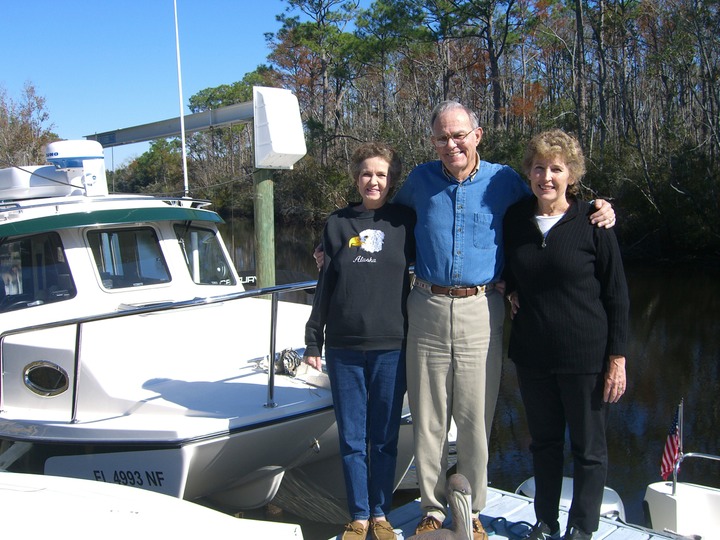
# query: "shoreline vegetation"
642, 253
637, 83
295, 240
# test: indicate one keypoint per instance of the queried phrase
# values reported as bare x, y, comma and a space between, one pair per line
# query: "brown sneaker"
381, 530
478, 531
355, 531
427, 524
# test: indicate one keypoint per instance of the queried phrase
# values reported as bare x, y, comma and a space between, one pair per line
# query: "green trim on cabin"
114, 216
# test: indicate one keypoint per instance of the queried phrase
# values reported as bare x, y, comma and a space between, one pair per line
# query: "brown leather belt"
453, 292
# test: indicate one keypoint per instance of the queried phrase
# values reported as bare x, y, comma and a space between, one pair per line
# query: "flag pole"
676, 465
682, 424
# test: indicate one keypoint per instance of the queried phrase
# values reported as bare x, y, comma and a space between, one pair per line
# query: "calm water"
674, 354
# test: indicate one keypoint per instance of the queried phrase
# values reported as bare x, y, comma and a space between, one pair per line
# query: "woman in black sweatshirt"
359, 316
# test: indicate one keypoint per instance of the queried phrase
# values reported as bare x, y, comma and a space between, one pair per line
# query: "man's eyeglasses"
443, 140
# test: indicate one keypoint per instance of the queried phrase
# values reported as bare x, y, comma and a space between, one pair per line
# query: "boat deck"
508, 516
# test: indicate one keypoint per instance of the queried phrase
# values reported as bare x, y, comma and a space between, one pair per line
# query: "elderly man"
455, 312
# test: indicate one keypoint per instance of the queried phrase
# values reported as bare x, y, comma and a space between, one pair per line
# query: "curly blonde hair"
557, 143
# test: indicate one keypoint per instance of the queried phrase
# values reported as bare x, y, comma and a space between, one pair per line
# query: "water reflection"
674, 353
293, 250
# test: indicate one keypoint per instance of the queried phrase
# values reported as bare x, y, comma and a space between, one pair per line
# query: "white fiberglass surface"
118, 510
193, 366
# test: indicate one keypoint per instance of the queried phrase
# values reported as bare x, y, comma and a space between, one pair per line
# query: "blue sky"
103, 65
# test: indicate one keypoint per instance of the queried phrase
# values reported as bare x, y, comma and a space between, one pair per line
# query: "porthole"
46, 379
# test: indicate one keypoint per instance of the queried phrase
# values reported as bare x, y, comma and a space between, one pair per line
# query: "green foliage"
639, 83
500, 146
310, 192
230, 94
157, 171
688, 186
24, 128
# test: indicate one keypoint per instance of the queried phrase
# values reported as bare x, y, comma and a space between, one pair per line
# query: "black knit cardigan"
572, 291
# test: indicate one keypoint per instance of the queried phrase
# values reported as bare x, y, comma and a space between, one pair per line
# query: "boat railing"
682, 457
127, 310
32, 204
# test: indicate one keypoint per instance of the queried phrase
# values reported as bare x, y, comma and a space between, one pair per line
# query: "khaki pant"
454, 362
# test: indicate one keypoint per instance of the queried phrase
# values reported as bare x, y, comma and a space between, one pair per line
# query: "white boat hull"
228, 469
196, 430
693, 511
36, 506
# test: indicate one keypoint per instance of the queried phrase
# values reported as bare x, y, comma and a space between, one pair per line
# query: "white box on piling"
279, 134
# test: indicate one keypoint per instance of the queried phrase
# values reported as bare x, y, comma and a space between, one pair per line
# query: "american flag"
672, 448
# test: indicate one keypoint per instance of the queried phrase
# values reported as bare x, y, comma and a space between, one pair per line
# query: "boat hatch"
38, 372
34, 272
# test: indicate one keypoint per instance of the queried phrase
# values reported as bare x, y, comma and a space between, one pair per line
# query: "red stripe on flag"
672, 449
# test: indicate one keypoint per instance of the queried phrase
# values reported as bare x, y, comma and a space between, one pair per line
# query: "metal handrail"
676, 468
32, 204
129, 310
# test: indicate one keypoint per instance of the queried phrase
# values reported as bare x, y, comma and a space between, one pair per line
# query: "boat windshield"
34, 272
206, 260
128, 257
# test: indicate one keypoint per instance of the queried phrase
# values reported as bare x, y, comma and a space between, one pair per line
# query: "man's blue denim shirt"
459, 224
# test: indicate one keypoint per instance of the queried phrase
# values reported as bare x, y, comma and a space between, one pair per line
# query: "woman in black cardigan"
569, 304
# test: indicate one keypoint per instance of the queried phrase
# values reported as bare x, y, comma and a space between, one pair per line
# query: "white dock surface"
508, 516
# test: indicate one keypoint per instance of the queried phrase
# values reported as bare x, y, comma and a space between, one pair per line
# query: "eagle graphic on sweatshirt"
370, 240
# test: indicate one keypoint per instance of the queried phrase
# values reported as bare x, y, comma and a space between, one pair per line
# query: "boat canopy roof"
105, 216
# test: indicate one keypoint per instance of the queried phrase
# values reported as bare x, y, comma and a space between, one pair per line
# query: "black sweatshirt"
360, 301
571, 289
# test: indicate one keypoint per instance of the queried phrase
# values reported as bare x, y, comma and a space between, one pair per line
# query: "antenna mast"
180, 93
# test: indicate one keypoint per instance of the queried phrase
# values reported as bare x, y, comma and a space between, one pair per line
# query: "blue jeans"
368, 389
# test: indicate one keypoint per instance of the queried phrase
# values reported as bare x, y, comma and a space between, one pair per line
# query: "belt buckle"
451, 289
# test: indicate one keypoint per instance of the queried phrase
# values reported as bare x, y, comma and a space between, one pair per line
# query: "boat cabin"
43, 207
